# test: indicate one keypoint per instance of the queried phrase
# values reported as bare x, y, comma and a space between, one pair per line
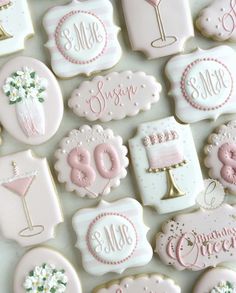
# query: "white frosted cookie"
82, 37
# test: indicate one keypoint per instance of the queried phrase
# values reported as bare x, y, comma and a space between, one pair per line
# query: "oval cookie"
28, 93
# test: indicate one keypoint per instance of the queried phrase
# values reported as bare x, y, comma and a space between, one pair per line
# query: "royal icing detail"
27, 96
221, 156
82, 37
111, 237
199, 240
218, 280
155, 35
26, 185
218, 20
166, 165
115, 96
91, 161
140, 284
15, 27
45, 270
203, 83
46, 278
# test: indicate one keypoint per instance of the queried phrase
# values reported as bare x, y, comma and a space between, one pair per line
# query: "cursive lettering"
229, 18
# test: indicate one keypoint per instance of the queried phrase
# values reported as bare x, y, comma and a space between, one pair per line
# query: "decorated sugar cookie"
218, 20
115, 96
155, 34
28, 93
221, 156
219, 280
166, 165
45, 270
203, 84
140, 284
198, 240
82, 37
15, 25
91, 160
27, 188
112, 237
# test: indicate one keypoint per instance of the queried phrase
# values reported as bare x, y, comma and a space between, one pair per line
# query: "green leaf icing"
224, 287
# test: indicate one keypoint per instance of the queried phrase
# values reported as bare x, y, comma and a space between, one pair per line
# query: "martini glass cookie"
15, 25
203, 83
29, 204
82, 37
28, 93
45, 270
112, 237
91, 160
164, 28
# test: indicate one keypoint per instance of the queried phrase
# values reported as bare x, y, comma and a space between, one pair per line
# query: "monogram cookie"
218, 20
221, 156
15, 26
82, 37
164, 28
217, 280
199, 240
166, 165
45, 270
91, 161
115, 96
28, 93
203, 84
140, 284
112, 237
28, 189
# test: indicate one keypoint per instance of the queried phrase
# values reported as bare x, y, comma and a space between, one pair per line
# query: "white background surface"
10, 252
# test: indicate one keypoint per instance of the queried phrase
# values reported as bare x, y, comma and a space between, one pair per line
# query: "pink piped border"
183, 79
92, 251
60, 48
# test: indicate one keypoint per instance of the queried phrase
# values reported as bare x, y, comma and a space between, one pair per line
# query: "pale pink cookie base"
39, 256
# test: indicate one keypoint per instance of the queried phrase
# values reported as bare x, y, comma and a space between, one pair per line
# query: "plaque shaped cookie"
28, 93
91, 161
115, 96
27, 188
218, 20
45, 270
15, 26
82, 37
139, 284
112, 237
203, 84
199, 240
217, 280
221, 156
166, 165
155, 34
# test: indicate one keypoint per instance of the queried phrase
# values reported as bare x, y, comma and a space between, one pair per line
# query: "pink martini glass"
163, 41
20, 186
4, 4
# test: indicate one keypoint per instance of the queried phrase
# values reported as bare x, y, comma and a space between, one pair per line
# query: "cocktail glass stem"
27, 214
159, 21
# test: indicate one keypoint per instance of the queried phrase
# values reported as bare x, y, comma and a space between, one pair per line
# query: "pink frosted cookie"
91, 161
82, 37
221, 156
15, 27
45, 270
219, 280
115, 96
158, 27
112, 237
199, 240
166, 165
29, 92
203, 83
27, 188
140, 284
218, 20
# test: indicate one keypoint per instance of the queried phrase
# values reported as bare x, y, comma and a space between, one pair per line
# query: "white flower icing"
224, 287
46, 279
